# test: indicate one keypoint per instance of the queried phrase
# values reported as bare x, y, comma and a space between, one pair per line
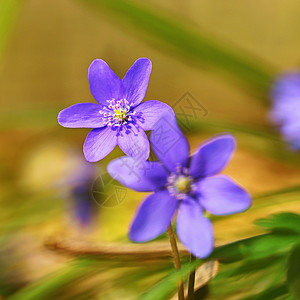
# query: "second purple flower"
188, 185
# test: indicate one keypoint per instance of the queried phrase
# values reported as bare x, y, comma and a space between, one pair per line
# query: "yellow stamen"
182, 184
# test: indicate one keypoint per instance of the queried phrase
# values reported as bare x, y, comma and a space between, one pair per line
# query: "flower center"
120, 115
117, 113
180, 183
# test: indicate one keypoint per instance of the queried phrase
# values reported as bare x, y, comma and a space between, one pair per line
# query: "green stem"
176, 260
191, 282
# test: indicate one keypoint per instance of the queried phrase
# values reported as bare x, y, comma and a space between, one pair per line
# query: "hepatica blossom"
286, 107
77, 180
119, 117
83, 204
188, 185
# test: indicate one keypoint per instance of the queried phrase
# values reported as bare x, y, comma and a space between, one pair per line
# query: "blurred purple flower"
119, 117
76, 184
189, 185
286, 107
83, 204
84, 207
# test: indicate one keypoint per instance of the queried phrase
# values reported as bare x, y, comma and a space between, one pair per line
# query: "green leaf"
280, 222
259, 263
257, 247
271, 244
168, 284
293, 273
51, 284
182, 39
273, 292
248, 267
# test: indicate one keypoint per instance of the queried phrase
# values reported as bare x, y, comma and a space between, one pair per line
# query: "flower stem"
176, 260
191, 282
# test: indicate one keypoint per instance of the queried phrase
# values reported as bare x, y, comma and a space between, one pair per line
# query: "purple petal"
153, 217
142, 176
193, 229
286, 87
219, 195
134, 143
82, 115
169, 144
104, 83
99, 142
291, 132
212, 156
150, 112
285, 110
135, 81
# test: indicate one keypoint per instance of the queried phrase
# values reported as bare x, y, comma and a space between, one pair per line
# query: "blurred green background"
224, 53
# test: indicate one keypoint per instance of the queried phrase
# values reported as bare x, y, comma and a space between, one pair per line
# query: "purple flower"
119, 117
183, 184
77, 181
286, 107
84, 207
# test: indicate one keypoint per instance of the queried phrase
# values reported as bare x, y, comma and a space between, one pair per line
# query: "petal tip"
134, 238
203, 254
61, 119
89, 158
145, 60
138, 236
229, 138
97, 61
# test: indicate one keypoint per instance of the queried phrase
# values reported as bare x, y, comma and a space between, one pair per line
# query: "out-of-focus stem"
176, 260
110, 251
191, 282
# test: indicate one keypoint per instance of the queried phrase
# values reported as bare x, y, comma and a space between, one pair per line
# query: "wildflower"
83, 204
84, 208
119, 117
183, 184
286, 107
77, 182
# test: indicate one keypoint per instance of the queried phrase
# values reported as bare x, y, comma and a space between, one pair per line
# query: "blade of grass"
259, 139
8, 13
167, 286
284, 221
51, 284
182, 38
